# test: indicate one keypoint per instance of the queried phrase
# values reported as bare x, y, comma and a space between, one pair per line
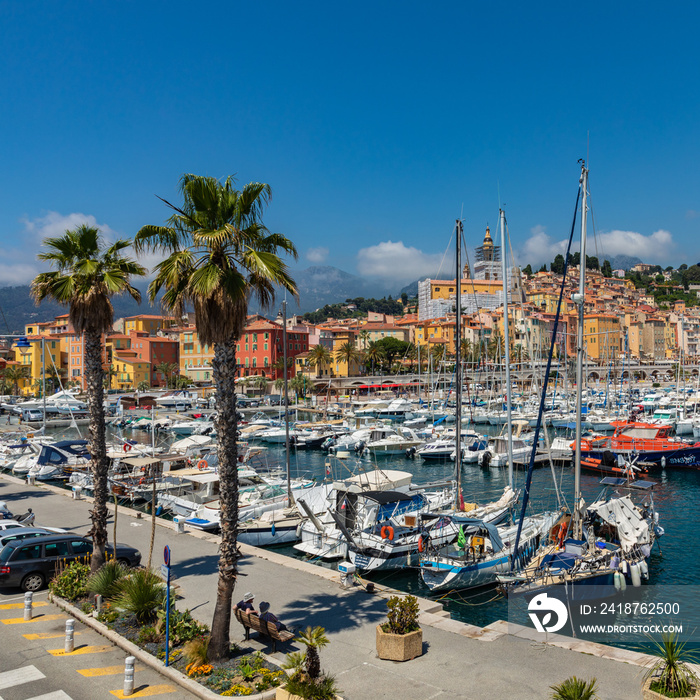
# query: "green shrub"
149, 634
575, 689
141, 594
323, 688
108, 614
71, 583
670, 674
402, 617
106, 581
183, 627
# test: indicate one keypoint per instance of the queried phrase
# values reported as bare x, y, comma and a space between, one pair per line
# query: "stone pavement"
460, 661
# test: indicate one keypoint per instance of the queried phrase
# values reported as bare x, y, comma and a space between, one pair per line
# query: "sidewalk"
454, 665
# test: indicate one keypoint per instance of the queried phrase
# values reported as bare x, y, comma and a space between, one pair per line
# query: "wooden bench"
269, 629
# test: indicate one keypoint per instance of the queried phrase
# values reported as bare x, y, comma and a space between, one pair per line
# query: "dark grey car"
31, 564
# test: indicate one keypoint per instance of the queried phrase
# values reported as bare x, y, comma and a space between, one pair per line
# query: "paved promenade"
460, 661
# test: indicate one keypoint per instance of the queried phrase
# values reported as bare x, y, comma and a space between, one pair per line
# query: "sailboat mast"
579, 299
504, 270
458, 365
286, 400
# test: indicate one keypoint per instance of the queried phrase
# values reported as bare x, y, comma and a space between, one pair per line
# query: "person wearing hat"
267, 616
247, 603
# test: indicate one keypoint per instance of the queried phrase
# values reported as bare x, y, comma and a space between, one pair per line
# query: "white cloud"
540, 248
317, 255
20, 265
656, 247
56, 224
396, 263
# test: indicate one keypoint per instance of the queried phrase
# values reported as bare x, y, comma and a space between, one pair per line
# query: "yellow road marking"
105, 671
46, 635
38, 618
17, 606
81, 650
150, 690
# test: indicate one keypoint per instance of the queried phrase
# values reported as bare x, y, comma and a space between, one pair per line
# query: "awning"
140, 461
382, 386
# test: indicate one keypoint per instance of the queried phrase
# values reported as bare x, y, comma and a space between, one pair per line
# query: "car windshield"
5, 553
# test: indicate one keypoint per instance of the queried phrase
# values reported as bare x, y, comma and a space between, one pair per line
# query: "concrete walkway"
460, 661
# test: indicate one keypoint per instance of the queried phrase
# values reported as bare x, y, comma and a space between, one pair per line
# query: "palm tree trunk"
94, 375
224, 371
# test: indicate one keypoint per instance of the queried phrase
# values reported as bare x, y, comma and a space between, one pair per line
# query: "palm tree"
319, 357
219, 254
168, 370
374, 354
347, 352
87, 275
365, 335
298, 386
14, 374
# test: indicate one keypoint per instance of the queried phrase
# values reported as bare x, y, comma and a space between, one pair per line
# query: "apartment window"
265, 344
247, 362
246, 346
267, 361
267, 336
238, 347
255, 362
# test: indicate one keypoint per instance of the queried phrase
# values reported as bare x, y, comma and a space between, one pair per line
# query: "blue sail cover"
494, 535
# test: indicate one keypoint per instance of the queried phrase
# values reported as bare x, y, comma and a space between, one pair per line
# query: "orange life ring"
421, 543
387, 532
202, 464
142, 481
127, 447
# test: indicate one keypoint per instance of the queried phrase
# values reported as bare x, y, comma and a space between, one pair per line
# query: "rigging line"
540, 417
5, 320
444, 255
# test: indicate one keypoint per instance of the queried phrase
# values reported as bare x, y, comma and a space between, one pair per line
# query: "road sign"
164, 571
166, 555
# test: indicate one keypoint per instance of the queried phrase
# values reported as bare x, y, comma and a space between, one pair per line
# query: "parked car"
22, 533
30, 565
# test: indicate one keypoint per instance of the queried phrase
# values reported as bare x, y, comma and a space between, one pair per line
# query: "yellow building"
436, 331
195, 358
129, 372
31, 358
147, 323
603, 337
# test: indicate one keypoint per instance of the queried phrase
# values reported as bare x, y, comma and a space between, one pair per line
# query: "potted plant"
575, 689
669, 676
400, 638
306, 679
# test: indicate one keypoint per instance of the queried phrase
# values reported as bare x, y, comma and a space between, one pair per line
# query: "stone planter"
648, 694
399, 647
284, 694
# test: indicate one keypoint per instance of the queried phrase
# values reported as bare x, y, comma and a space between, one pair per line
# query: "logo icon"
540, 609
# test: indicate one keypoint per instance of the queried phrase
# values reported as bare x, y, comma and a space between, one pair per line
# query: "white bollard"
98, 603
28, 606
70, 642
31, 479
129, 675
179, 521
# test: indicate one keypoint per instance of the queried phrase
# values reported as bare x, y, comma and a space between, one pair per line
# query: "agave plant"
670, 673
107, 580
575, 689
141, 594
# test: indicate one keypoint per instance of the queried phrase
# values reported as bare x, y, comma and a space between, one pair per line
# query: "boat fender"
127, 447
636, 575
644, 568
623, 583
273, 530
387, 532
617, 579
623, 567
298, 533
663, 461
202, 464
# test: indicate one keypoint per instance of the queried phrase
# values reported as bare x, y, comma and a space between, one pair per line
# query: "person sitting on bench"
267, 616
247, 604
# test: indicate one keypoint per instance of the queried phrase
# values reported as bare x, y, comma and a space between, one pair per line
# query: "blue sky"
376, 124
